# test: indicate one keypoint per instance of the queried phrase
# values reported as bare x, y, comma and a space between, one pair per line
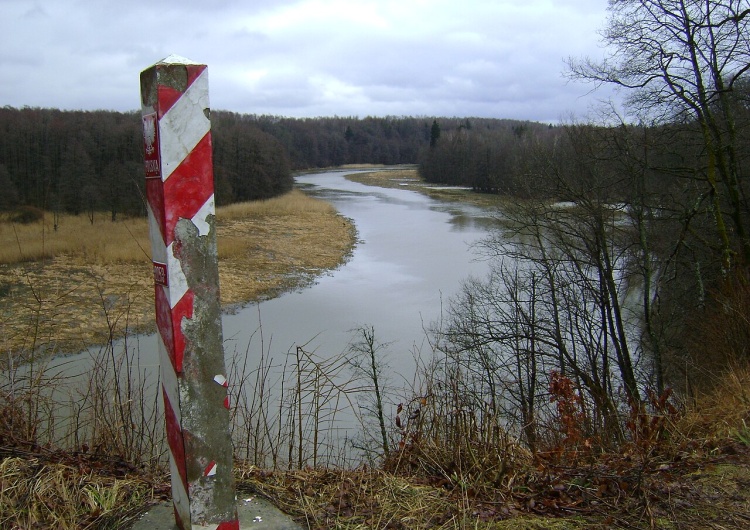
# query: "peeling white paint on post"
179, 192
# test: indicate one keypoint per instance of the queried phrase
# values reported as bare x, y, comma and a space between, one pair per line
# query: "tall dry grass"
42, 494
101, 242
721, 412
293, 203
234, 243
126, 241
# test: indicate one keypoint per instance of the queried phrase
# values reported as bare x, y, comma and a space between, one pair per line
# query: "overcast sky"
307, 58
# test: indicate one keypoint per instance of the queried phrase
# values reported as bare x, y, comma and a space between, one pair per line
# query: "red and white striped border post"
180, 196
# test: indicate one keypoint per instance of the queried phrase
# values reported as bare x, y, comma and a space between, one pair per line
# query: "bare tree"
365, 357
681, 60
572, 288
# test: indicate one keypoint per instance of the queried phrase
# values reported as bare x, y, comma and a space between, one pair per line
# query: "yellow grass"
60, 289
723, 411
126, 241
36, 494
293, 203
100, 242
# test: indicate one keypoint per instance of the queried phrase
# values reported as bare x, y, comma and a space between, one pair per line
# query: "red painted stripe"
229, 525
183, 309
164, 320
190, 186
155, 198
169, 324
168, 96
194, 70
175, 438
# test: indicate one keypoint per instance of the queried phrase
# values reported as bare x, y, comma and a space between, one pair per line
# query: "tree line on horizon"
83, 161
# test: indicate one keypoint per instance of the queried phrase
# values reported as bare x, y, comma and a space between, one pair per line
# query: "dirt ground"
63, 305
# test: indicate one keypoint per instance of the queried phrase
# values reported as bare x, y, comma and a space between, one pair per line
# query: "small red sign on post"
151, 146
160, 274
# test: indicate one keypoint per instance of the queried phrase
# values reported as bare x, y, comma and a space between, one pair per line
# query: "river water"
412, 254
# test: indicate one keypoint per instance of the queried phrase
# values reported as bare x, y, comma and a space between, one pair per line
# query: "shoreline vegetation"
407, 177
683, 467
89, 280
77, 286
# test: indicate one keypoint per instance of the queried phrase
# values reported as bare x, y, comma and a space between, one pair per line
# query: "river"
412, 254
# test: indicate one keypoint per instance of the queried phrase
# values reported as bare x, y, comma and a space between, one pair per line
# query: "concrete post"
180, 196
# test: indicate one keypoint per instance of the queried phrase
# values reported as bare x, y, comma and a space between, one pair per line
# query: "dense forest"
77, 161
84, 161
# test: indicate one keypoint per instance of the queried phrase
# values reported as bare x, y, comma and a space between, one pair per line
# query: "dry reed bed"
66, 289
126, 241
409, 179
101, 242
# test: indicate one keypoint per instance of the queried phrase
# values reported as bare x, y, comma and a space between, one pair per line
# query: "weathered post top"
180, 200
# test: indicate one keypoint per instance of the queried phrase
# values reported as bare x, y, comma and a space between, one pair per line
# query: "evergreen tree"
434, 133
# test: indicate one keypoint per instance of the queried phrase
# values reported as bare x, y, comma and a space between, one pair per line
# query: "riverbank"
680, 467
86, 282
407, 178
89, 280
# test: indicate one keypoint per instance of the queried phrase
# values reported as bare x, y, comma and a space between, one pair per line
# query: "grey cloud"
479, 57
